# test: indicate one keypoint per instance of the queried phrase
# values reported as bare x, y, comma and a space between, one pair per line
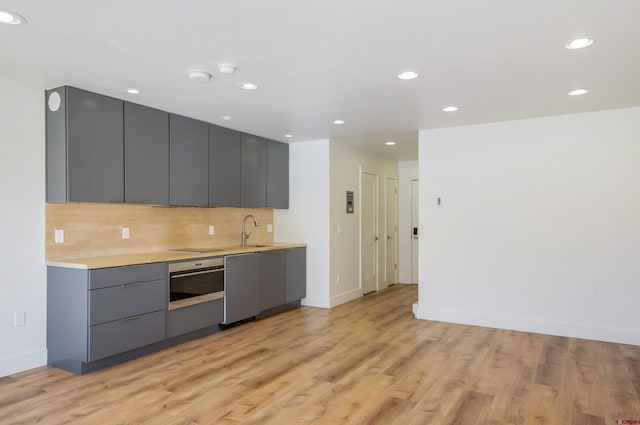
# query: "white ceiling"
316, 61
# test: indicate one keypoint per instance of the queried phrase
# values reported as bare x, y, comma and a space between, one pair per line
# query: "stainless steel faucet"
246, 235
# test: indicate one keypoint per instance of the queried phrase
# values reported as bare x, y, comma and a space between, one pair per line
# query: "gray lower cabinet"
295, 274
241, 287
95, 314
253, 172
85, 148
224, 167
271, 279
146, 155
191, 318
188, 161
277, 175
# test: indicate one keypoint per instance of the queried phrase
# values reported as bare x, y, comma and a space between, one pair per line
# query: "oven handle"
196, 273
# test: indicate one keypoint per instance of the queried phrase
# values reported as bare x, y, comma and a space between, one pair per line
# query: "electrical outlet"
439, 201
59, 236
212, 230
19, 318
269, 228
125, 233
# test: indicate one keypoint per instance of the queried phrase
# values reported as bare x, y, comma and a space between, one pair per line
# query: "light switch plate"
19, 318
125, 233
212, 230
269, 228
59, 236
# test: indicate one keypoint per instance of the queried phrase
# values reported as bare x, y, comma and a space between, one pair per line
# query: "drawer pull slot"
126, 319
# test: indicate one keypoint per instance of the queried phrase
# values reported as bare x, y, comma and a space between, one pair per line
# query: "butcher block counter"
174, 254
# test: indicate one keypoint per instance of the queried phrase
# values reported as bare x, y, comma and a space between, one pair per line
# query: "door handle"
376, 239
388, 237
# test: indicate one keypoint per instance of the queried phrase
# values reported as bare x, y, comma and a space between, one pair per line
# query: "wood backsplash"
92, 230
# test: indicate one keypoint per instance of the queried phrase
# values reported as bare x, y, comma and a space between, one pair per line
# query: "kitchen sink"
196, 250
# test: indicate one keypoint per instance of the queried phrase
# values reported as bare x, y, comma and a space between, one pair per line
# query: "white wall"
307, 218
346, 163
22, 186
539, 228
407, 171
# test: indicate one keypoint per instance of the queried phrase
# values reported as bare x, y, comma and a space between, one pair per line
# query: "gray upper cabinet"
295, 274
188, 161
254, 172
85, 148
224, 167
146, 155
277, 175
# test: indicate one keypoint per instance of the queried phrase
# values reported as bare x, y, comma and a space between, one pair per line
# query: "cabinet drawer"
115, 276
187, 319
117, 337
119, 302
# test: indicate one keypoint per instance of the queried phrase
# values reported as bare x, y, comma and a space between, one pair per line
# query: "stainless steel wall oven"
195, 281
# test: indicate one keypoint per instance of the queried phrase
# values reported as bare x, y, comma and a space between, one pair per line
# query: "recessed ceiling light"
225, 117
578, 92
248, 86
288, 136
450, 109
579, 43
338, 122
390, 143
201, 76
227, 68
408, 75
11, 18
133, 91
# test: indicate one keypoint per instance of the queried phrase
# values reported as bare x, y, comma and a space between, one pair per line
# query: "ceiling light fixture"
200, 76
227, 68
450, 109
579, 43
288, 136
390, 143
578, 92
225, 117
408, 75
338, 122
133, 91
11, 18
248, 86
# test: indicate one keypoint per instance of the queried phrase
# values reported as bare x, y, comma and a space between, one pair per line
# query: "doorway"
414, 231
369, 232
391, 232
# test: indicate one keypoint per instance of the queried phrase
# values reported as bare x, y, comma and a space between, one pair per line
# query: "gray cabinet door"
95, 147
188, 319
146, 155
241, 287
271, 279
295, 274
254, 172
224, 167
188, 161
277, 175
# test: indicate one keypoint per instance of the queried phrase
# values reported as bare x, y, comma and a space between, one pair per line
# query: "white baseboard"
346, 297
525, 324
23, 361
322, 302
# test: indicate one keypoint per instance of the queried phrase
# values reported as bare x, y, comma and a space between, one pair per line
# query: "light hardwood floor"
369, 361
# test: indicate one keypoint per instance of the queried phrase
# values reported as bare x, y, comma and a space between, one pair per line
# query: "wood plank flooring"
366, 362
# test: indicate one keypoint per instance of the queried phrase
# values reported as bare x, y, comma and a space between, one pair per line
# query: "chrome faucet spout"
246, 235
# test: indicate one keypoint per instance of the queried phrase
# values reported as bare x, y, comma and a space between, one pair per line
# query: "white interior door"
391, 232
414, 231
369, 232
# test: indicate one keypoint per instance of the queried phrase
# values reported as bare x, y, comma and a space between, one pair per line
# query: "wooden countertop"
162, 256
